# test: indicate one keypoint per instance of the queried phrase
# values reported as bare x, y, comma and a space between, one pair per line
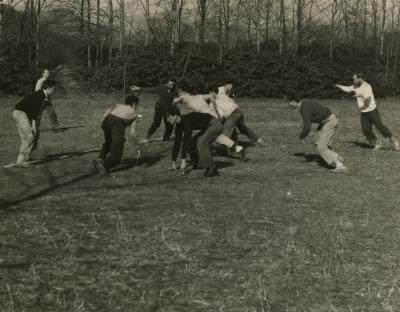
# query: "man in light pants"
313, 112
26, 116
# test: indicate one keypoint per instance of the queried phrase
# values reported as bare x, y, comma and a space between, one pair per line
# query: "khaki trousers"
324, 138
25, 134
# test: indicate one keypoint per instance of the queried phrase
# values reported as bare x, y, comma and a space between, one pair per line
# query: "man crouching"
114, 122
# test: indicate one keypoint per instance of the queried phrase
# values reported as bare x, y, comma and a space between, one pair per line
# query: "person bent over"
313, 112
114, 123
234, 117
26, 116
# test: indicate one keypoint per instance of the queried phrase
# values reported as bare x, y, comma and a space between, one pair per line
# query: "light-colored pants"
324, 138
25, 134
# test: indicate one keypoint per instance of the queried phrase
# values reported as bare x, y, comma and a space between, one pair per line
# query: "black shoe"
211, 172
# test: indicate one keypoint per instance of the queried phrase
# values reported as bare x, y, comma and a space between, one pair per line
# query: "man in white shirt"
198, 104
233, 115
369, 112
114, 122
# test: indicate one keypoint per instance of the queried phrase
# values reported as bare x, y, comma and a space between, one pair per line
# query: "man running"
369, 112
166, 94
313, 112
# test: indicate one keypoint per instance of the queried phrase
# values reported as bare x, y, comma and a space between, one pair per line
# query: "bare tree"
334, 12
202, 11
110, 30
88, 33
283, 29
383, 27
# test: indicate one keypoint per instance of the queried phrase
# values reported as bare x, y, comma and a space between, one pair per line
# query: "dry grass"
152, 240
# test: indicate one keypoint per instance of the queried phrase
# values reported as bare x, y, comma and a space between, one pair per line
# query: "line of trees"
106, 39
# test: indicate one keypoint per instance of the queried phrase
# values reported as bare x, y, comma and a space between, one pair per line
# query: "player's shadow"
223, 164
360, 144
53, 185
129, 163
60, 156
313, 158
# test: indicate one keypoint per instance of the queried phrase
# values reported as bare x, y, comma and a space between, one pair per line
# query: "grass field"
278, 233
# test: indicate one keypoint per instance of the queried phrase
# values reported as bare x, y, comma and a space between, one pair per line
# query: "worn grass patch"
278, 233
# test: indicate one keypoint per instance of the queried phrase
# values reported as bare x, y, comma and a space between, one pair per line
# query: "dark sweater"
165, 95
312, 112
32, 104
189, 123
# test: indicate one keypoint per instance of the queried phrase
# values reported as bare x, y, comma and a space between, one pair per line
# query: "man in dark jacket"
166, 94
313, 112
26, 115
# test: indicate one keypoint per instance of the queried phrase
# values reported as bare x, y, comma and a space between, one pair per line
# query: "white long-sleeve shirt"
225, 105
198, 103
364, 96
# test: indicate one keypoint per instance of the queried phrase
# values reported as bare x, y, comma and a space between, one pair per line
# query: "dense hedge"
267, 75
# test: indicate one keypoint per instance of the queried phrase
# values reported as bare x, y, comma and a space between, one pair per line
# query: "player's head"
45, 73
132, 100
48, 86
228, 88
174, 115
180, 91
358, 79
170, 84
294, 100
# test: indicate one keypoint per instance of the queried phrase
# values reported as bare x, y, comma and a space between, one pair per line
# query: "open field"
278, 233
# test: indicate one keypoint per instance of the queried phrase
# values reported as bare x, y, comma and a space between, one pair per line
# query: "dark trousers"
160, 114
214, 129
236, 120
47, 105
114, 140
373, 118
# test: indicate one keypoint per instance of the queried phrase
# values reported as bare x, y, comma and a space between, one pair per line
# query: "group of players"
199, 121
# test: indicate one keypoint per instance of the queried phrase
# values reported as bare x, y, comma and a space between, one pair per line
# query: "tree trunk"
227, 15
110, 30
98, 35
283, 30
122, 26
332, 32
249, 21
88, 34
147, 17
220, 40
375, 27
383, 26
202, 9
37, 36
258, 26
1, 24
300, 17
239, 5
268, 11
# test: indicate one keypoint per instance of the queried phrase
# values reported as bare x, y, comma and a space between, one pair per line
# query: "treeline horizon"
265, 47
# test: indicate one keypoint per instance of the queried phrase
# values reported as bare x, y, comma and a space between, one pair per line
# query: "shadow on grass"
62, 129
130, 163
53, 185
60, 156
360, 144
313, 158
